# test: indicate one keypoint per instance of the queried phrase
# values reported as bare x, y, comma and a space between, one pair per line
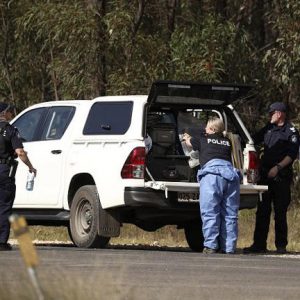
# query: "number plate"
188, 197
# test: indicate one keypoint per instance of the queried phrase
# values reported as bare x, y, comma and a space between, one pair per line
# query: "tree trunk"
171, 7
99, 6
53, 77
4, 59
221, 8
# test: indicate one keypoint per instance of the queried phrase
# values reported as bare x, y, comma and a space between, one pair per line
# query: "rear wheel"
194, 236
84, 219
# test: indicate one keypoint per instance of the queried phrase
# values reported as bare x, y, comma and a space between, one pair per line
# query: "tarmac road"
67, 272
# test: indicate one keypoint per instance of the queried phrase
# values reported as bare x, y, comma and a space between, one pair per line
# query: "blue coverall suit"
219, 192
279, 141
9, 140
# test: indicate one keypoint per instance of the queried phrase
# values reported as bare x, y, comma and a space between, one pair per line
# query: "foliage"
207, 51
296, 184
81, 49
52, 49
282, 60
62, 49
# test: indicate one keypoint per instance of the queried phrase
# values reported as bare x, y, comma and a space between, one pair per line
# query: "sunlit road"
131, 273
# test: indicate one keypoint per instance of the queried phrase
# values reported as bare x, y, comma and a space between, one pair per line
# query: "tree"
82, 49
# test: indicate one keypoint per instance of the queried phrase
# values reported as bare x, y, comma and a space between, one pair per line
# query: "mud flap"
109, 225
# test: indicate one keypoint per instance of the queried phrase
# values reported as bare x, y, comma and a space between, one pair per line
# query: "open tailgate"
190, 187
196, 93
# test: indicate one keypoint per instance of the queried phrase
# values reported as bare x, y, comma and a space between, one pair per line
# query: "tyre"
84, 219
194, 236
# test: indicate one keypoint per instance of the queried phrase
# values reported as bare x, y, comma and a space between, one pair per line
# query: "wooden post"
28, 251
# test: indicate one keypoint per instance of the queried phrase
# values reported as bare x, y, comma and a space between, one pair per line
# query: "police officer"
219, 188
10, 147
281, 143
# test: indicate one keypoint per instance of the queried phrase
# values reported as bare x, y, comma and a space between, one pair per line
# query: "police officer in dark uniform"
219, 188
281, 145
11, 147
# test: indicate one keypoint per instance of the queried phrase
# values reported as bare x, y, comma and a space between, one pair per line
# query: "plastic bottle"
30, 181
188, 151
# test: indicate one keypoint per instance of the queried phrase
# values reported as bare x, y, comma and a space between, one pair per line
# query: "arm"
291, 155
191, 142
23, 156
285, 162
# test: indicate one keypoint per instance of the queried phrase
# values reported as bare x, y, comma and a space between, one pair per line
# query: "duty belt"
5, 160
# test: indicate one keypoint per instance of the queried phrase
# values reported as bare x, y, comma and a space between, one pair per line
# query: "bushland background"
80, 49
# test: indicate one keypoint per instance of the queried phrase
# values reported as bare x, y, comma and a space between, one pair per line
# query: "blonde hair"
216, 124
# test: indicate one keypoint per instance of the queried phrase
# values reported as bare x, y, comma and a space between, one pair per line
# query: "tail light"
134, 166
253, 167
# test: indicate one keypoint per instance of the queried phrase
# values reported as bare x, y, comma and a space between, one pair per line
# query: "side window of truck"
29, 124
109, 118
57, 121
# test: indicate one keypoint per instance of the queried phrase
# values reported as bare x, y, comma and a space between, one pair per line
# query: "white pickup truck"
94, 174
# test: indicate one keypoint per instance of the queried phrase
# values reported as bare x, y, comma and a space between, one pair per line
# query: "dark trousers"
7, 196
279, 194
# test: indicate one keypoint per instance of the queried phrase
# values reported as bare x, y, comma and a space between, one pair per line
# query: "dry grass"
246, 229
171, 237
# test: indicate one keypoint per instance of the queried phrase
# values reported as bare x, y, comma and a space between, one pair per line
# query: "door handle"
56, 151
105, 126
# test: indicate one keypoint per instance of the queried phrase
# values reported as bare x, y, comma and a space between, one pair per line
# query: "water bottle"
30, 181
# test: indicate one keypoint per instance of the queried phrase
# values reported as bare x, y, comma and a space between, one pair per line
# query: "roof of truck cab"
91, 101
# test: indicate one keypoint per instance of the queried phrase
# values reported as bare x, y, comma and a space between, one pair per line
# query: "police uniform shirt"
279, 141
12, 140
212, 146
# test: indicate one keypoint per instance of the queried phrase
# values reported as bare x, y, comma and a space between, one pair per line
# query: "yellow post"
21, 232
28, 251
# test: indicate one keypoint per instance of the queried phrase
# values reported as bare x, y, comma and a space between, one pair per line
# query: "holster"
13, 168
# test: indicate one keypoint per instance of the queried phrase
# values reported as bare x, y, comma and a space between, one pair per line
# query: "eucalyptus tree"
282, 60
85, 48
7, 91
64, 38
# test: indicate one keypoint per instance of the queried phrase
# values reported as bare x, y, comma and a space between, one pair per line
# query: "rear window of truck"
109, 118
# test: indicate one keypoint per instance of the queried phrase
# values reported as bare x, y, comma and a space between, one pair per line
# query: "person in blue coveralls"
219, 188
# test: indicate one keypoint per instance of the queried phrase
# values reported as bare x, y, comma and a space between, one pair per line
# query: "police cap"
279, 106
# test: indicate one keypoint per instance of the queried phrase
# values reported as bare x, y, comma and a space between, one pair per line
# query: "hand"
186, 137
32, 169
273, 172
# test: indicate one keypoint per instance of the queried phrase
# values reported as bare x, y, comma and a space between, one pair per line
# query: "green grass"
170, 236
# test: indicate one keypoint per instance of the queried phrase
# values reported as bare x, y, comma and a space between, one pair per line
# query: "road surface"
67, 272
